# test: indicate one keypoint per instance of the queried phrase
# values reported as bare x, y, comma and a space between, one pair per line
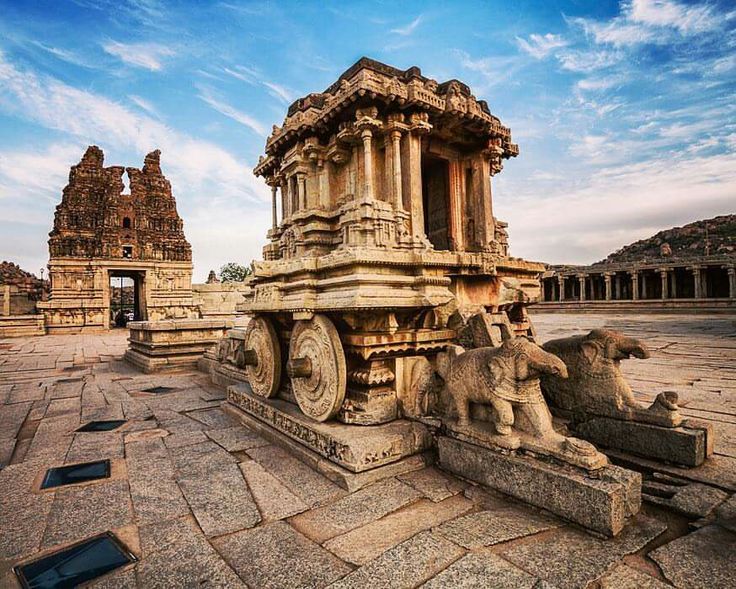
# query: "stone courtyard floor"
203, 502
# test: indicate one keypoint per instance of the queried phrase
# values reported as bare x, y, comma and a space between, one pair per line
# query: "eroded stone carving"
595, 384
507, 379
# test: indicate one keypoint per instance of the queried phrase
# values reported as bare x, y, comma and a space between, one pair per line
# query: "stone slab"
363, 544
313, 488
602, 504
275, 501
569, 558
687, 445
485, 528
433, 483
276, 556
375, 446
406, 565
625, 577
176, 554
719, 471
703, 559
478, 570
355, 510
220, 500
343, 477
84, 511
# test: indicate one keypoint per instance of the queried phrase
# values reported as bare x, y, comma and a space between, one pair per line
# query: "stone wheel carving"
262, 345
317, 368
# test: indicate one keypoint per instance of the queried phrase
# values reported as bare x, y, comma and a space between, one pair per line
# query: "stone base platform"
22, 325
172, 344
688, 445
221, 374
601, 501
352, 456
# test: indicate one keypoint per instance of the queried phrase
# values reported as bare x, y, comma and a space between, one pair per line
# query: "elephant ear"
590, 351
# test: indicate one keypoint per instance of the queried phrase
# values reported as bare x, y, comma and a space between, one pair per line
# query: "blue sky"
625, 112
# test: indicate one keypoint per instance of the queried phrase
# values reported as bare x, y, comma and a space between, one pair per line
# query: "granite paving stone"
23, 514
486, 528
220, 500
363, 544
184, 439
89, 446
310, 486
237, 438
176, 554
406, 565
12, 418
84, 511
703, 559
213, 418
200, 458
355, 510
433, 483
275, 501
482, 570
626, 577
570, 558
156, 495
275, 556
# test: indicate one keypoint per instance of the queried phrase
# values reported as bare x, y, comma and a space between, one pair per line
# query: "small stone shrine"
100, 233
389, 318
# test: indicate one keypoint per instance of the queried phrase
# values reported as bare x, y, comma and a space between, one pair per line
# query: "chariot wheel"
317, 368
261, 357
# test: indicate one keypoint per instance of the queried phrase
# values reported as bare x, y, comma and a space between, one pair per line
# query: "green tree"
234, 272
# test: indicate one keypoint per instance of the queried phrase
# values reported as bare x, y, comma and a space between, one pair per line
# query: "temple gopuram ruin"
101, 233
690, 268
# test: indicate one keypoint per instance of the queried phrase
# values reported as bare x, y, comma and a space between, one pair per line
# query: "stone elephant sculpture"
502, 377
595, 385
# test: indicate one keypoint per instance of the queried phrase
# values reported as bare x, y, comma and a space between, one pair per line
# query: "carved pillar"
697, 281
396, 169
284, 199
367, 136
617, 280
561, 282
674, 293
634, 285
581, 284
663, 274
644, 293
301, 182
274, 216
411, 174
456, 234
607, 278
731, 281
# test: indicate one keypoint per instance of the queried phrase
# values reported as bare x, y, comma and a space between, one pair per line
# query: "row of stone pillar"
639, 288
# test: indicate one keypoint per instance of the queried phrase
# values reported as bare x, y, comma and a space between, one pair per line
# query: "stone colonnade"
703, 280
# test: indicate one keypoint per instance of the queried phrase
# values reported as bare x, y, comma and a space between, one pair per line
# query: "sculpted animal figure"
596, 385
504, 377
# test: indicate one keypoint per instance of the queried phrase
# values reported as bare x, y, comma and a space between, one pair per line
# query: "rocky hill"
716, 236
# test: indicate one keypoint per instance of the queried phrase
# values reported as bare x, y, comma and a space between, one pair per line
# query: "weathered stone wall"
220, 299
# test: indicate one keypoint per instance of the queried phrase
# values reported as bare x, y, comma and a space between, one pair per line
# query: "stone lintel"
601, 504
356, 448
688, 445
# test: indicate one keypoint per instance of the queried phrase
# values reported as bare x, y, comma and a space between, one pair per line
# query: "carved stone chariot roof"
449, 105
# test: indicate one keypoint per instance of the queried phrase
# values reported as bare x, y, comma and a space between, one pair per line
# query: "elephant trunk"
550, 364
632, 347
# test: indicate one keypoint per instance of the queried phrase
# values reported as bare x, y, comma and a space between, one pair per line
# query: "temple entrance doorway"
126, 299
436, 198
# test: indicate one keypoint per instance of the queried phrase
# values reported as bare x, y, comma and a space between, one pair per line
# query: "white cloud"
150, 56
651, 21
231, 112
616, 206
588, 61
204, 176
408, 29
665, 13
278, 91
144, 104
540, 46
